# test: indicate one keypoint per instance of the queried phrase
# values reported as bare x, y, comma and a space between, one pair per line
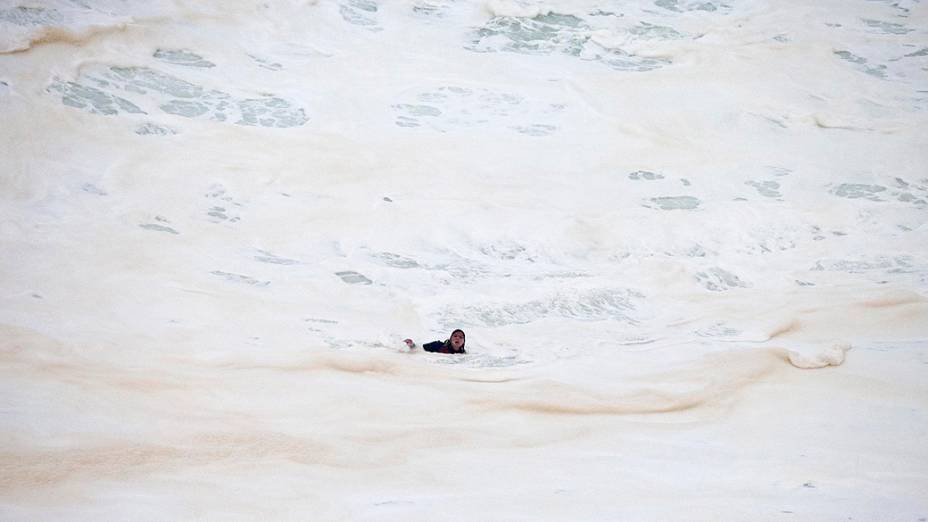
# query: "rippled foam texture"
686, 239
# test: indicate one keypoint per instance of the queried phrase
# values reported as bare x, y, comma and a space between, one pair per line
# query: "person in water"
454, 344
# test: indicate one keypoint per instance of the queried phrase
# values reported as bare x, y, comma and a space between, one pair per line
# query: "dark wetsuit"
439, 347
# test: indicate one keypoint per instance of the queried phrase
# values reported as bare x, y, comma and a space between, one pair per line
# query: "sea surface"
687, 241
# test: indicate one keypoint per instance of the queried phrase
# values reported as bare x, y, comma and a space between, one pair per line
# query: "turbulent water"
687, 240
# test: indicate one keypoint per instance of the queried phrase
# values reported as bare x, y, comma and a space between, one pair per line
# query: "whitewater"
687, 241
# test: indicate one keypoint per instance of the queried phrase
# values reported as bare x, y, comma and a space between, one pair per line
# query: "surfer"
454, 344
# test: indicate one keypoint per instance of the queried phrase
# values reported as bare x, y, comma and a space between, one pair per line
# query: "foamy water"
687, 241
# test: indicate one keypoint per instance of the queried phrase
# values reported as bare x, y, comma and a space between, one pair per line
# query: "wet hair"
448, 342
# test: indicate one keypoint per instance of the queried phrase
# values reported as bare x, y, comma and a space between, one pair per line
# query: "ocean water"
686, 239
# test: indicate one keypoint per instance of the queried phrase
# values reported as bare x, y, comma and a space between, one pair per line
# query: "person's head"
457, 340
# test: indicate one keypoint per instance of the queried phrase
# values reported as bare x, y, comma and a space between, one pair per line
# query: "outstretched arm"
434, 346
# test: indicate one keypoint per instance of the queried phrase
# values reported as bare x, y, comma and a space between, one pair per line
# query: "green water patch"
362, 13
432, 8
31, 16
648, 31
353, 278
645, 175
265, 63
766, 188
565, 34
159, 228
878, 70
270, 111
542, 34
674, 203
267, 257
222, 205
889, 265
240, 279
859, 191
183, 57
151, 129
718, 279
397, 260
92, 99
886, 27
680, 6
418, 110
114, 90
219, 214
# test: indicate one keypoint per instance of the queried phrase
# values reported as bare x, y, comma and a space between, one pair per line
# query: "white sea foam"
686, 239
